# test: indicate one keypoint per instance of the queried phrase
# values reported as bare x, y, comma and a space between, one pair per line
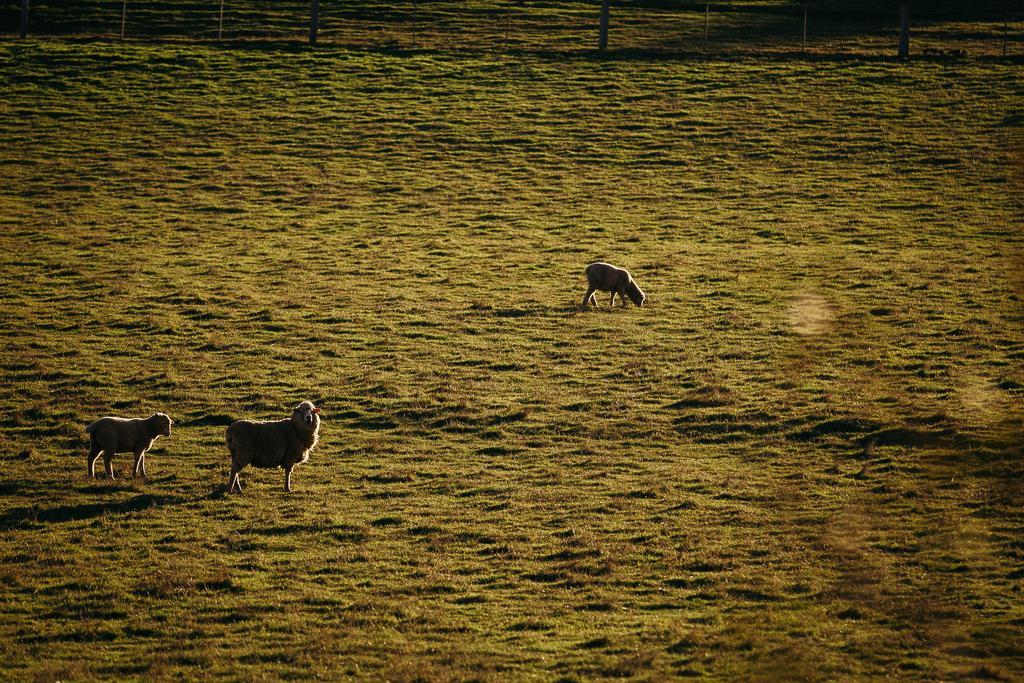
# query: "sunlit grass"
801, 460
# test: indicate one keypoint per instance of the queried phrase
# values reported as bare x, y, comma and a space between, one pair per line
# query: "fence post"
602, 40
1006, 29
220, 21
24, 21
803, 46
512, 26
707, 19
904, 30
124, 14
314, 21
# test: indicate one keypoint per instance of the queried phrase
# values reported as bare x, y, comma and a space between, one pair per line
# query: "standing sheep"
281, 443
609, 278
109, 435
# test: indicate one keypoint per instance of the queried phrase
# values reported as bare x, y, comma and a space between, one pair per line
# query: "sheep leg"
233, 480
108, 465
288, 479
588, 298
90, 463
143, 465
137, 465
612, 302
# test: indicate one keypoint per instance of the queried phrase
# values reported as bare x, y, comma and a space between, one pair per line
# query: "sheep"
281, 443
110, 435
609, 278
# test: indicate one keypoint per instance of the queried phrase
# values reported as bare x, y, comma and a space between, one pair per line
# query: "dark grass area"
497, 25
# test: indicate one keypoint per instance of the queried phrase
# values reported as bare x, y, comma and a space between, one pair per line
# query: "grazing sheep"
608, 278
281, 443
109, 435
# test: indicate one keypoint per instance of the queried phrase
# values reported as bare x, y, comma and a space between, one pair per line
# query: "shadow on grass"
209, 420
26, 517
766, 50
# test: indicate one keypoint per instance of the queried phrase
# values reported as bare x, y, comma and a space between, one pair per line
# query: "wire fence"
944, 29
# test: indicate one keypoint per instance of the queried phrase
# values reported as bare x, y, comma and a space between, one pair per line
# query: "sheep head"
635, 294
306, 416
161, 423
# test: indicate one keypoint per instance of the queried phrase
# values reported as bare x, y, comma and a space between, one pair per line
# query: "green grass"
802, 460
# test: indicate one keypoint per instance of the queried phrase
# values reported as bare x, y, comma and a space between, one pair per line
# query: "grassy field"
801, 460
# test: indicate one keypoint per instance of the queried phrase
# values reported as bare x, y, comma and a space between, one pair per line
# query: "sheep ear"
316, 411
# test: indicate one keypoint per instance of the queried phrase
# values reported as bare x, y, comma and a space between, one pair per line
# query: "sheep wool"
280, 443
110, 435
608, 278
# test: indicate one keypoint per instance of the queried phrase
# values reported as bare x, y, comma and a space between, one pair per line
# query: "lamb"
281, 443
110, 435
609, 278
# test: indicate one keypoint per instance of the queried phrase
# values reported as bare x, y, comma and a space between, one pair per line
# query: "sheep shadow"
602, 308
25, 517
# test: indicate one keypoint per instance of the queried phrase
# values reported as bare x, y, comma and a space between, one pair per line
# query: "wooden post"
602, 41
1006, 30
124, 13
220, 21
707, 20
904, 30
314, 21
803, 46
25, 23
